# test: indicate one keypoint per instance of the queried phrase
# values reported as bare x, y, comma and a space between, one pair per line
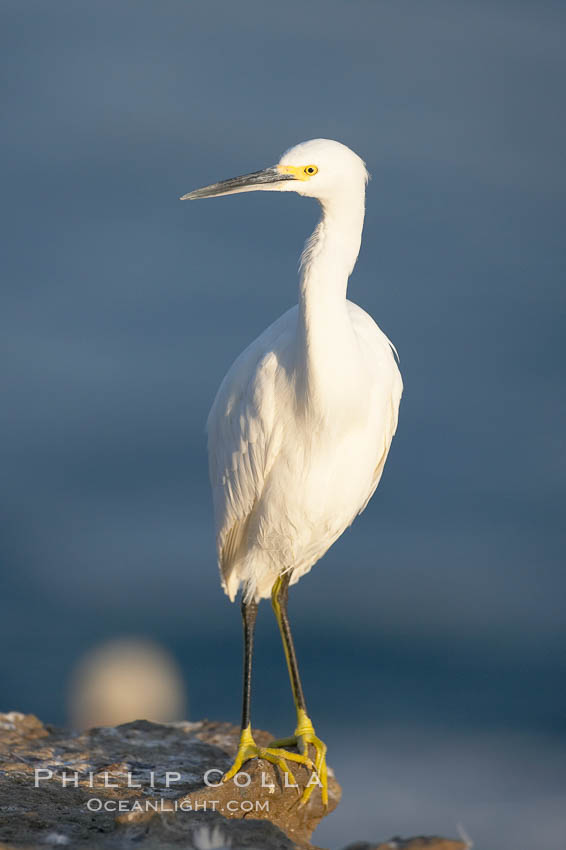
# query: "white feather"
284, 493
302, 423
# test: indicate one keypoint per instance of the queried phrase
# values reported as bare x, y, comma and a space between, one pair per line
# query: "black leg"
247, 748
279, 600
249, 613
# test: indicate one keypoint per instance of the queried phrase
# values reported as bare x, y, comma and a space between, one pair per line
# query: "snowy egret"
301, 426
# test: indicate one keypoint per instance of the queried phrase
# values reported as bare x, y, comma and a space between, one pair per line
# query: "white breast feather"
246, 429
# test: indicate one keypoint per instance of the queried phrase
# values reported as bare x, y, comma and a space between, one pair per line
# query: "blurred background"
431, 637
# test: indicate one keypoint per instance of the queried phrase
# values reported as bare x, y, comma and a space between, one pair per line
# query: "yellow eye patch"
299, 172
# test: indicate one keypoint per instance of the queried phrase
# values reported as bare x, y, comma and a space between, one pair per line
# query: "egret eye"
310, 170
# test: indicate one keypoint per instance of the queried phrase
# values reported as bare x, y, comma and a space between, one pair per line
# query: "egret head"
321, 169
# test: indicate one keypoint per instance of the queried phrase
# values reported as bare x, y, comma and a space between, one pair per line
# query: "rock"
421, 842
65, 789
258, 793
144, 782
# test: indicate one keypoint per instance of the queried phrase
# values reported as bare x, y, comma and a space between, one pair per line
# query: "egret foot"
248, 749
304, 735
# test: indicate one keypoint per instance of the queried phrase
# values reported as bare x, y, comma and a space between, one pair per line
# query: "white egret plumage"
302, 423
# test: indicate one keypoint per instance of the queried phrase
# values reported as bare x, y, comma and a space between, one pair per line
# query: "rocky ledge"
154, 786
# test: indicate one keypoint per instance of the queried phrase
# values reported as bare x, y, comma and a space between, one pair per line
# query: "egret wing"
243, 442
388, 386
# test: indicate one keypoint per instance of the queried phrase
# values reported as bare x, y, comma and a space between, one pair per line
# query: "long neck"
325, 332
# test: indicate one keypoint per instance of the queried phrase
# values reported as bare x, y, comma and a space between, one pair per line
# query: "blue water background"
431, 637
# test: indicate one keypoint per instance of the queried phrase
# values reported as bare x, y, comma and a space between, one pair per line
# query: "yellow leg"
304, 733
248, 749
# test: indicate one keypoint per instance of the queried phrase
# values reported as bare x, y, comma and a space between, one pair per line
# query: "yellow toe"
305, 735
248, 749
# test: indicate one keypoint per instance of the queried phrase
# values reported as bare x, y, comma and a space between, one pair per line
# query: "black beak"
265, 179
